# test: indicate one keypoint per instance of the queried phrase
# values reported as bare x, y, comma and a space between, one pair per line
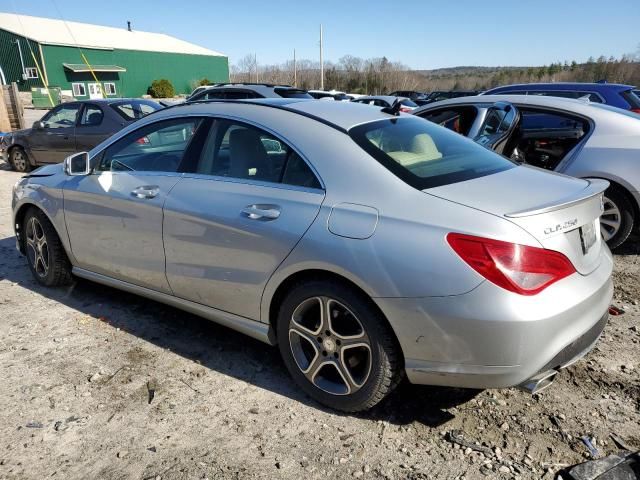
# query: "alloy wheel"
611, 219
19, 161
37, 247
330, 346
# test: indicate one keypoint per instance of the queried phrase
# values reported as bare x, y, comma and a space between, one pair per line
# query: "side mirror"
77, 164
39, 125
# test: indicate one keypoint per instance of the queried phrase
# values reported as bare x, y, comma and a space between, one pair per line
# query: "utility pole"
295, 70
321, 62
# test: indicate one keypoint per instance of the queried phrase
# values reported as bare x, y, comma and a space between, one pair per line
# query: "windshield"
426, 155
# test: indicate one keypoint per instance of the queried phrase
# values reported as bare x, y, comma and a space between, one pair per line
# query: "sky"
423, 34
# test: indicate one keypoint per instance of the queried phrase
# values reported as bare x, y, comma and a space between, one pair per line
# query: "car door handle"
262, 212
146, 191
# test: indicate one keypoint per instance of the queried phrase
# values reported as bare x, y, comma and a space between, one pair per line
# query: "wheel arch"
623, 189
299, 276
19, 220
25, 149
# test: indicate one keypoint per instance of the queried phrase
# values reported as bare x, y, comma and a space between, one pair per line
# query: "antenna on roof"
128, 25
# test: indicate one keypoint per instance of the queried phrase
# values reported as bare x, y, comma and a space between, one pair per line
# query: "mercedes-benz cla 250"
367, 245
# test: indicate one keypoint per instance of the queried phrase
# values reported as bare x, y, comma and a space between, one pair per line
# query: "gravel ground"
97, 383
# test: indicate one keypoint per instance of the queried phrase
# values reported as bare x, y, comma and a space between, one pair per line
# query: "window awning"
82, 68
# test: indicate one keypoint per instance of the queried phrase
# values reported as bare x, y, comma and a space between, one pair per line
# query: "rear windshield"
632, 98
426, 155
408, 103
132, 110
292, 93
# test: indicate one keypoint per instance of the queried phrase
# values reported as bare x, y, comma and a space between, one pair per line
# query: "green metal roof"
82, 68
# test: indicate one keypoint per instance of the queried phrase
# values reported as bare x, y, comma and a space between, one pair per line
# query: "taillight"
635, 110
143, 141
406, 109
518, 268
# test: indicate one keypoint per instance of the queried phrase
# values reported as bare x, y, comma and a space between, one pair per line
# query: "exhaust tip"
539, 382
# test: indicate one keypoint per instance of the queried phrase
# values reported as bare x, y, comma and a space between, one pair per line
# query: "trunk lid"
560, 212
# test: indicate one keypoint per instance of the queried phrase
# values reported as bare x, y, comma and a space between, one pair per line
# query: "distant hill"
465, 70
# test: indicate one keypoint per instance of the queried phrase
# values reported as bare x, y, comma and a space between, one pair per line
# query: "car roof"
574, 105
341, 115
564, 86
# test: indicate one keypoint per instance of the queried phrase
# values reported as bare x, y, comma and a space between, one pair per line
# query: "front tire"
337, 346
46, 256
19, 160
618, 219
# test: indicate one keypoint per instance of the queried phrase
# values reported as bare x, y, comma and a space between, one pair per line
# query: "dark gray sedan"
71, 127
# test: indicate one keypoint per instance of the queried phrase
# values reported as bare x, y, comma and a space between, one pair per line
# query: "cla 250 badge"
561, 227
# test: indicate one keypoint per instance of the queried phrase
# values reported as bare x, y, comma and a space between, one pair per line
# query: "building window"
79, 90
31, 72
110, 88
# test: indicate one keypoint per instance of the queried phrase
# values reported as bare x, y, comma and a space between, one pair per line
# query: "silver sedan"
574, 137
366, 245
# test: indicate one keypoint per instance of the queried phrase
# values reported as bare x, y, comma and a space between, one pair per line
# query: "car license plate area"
587, 236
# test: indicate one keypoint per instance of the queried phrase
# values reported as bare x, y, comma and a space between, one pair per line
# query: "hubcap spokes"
19, 161
611, 219
330, 345
37, 247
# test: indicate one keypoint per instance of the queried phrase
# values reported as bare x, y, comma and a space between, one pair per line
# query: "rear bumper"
491, 338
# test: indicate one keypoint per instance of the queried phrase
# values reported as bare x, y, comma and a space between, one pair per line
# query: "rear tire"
46, 256
19, 160
618, 220
347, 358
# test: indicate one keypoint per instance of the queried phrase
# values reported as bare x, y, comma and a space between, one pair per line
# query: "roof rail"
311, 116
249, 83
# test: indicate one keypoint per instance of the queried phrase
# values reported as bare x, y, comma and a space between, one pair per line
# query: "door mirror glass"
38, 125
77, 164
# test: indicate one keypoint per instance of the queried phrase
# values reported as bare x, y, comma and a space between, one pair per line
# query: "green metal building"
36, 51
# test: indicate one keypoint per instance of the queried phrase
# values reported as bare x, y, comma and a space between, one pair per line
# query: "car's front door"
54, 138
92, 127
114, 215
235, 216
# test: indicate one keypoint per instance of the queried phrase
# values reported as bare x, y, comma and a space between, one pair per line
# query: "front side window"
425, 155
459, 119
91, 116
241, 151
62, 116
158, 147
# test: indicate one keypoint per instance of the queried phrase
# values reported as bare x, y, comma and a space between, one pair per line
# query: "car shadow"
218, 348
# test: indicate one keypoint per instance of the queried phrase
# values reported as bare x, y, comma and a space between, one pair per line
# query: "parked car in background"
365, 244
71, 127
586, 140
616, 95
419, 98
386, 101
239, 91
331, 94
438, 95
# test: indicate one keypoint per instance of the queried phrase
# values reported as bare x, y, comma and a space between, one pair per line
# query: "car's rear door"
93, 127
114, 215
235, 216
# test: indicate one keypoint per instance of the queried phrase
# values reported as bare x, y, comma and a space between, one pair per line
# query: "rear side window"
591, 96
133, 110
425, 155
238, 150
632, 98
